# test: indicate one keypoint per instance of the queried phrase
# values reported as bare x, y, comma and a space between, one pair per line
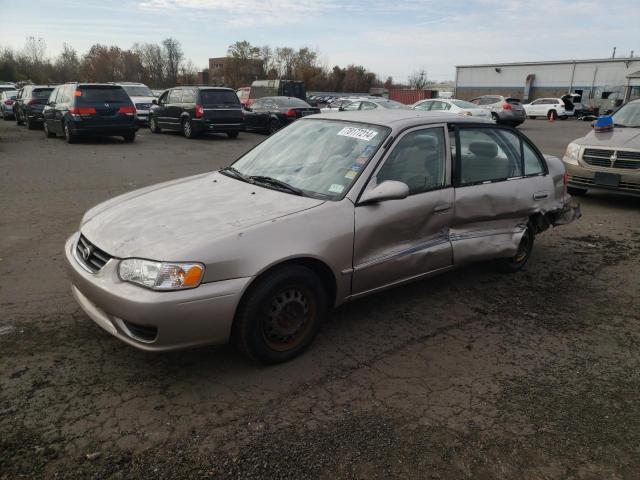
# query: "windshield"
320, 157
291, 102
391, 104
138, 90
628, 116
463, 104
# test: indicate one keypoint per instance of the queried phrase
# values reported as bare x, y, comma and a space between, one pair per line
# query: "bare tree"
173, 56
418, 80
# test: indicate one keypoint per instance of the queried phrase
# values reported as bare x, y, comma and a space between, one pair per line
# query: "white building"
605, 82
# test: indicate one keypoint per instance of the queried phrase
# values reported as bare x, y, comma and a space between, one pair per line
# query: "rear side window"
188, 96
532, 165
95, 94
488, 155
218, 97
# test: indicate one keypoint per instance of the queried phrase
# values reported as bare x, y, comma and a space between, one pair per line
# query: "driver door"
399, 240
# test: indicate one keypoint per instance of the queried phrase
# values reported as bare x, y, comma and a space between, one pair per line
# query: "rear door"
500, 181
398, 240
221, 107
173, 108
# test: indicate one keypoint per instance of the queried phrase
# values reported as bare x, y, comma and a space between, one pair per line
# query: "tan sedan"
331, 208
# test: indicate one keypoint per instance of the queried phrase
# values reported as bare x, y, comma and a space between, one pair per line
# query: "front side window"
367, 106
418, 160
488, 155
321, 158
352, 106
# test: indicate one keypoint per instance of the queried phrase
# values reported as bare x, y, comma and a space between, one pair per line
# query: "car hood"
617, 138
179, 220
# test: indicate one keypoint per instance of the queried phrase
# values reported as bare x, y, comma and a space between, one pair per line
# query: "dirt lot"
472, 374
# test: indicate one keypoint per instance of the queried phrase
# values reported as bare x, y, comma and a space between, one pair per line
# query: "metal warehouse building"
600, 82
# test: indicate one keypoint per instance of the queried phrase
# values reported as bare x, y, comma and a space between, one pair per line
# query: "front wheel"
153, 125
28, 123
274, 126
520, 259
280, 315
495, 118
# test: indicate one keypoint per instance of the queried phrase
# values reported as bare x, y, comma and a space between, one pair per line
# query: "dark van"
196, 110
90, 109
29, 104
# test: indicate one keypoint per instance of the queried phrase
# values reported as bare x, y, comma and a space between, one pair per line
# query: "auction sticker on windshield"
359, 133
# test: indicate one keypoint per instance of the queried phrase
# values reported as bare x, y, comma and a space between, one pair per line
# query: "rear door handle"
540, 195
441, 208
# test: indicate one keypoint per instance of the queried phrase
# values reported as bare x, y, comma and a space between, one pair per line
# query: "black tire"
520, 259
129, 137
552, 114
274, 126
280, 315
495, 117
18, 119
187, 128
69, 137
153, 125
29, 124
47, 133
576, 192
232, 134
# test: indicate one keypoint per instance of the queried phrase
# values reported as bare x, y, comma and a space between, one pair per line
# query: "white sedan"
451, 105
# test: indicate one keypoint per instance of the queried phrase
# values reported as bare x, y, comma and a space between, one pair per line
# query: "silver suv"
504, 110
142, 97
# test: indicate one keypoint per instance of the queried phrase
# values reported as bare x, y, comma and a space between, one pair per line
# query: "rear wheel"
576, 192
280, 315
520, 259
153, 125
69, 137
47, 132
187, 128
274, 125
129, 137
552, 115
232, 134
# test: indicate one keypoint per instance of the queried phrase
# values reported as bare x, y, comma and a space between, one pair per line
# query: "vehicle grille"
633, 187
143, 106
600, 157
90, 256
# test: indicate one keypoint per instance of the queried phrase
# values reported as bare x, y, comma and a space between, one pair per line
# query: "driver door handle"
442, 208
540, 195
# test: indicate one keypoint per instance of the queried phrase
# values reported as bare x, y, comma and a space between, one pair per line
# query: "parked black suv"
91, 109
195, 110
29, 103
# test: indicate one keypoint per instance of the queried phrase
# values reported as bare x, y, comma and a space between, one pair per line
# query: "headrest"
483, 149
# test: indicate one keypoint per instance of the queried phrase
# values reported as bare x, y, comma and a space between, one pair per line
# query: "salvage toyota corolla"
334, 207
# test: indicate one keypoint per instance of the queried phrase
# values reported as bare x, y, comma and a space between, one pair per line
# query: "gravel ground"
472, 374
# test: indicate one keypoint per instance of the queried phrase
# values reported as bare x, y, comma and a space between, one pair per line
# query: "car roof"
397, 118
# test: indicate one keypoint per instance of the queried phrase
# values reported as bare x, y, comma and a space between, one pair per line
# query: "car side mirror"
154, 101
387, 190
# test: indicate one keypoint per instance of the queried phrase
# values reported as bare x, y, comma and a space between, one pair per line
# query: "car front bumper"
180, 319
580, 176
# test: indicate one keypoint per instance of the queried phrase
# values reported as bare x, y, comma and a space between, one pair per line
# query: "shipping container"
409, 97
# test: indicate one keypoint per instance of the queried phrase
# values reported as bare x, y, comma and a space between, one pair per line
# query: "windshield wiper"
236, 174
276, 183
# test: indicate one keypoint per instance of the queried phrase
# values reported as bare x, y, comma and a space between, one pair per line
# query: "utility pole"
614, 53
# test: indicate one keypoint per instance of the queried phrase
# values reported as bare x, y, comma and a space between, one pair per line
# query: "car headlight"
161, 275
573, 153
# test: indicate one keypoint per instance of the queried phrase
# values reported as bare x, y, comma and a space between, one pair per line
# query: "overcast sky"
388, 37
